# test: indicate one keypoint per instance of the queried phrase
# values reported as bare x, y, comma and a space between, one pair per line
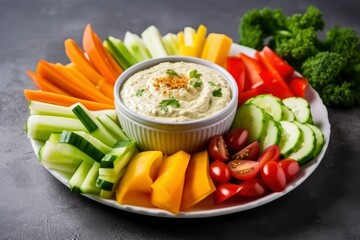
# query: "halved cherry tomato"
219, 172
236, 68
271, 153
254, 187
291, 168
280, 65
236, 139
298, 86
217, 148
244, 169
273, 176
250, 152
225, 191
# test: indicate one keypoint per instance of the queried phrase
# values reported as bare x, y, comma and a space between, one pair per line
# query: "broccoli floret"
258, 24
293, 37
323, 69
344, 95
346, 42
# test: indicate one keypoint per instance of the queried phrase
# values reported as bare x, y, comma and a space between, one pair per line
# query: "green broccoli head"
258, 24
323, 69
345, 94
346, 42
297, 45
311, 18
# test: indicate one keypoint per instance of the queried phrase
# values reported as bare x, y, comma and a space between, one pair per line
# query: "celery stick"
153, 41
136, 46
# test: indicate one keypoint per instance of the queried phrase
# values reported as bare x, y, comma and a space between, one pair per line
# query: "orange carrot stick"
62, 100
99, 56
107, 89
45, 85
72, 85
76, 55
70, 72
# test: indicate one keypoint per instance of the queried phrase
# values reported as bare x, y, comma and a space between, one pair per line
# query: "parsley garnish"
217, 93
171, 72
169, 102
194, 74
211, 83
140, 92
196, 83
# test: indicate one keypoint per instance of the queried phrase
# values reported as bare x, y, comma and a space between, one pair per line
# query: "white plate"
206, 208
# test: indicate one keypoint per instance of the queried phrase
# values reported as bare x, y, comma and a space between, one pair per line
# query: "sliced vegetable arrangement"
72, 115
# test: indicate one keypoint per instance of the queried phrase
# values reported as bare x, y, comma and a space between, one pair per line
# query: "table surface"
34, 205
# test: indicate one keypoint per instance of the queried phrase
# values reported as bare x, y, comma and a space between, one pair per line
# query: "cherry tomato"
217, 148
291, 168
243, 169
250, 152
225, 191
254, 187
219, 172
271, 153
236, 139
273, 176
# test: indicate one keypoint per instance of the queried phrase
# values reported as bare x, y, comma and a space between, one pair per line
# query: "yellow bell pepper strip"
135, 186
181, 40
198, 183
199, 40
192, 42
216, 48
168, 187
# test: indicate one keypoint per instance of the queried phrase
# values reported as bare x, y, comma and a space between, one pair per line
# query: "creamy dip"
176, 92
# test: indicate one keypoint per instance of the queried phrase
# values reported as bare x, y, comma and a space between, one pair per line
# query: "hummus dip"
176, 92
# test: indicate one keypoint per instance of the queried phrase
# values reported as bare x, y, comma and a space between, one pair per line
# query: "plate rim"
321, 119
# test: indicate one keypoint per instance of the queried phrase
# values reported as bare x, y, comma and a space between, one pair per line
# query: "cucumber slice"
86, 143
272, 135
89, 184
79, 176
290, 137
300, 107
270, 104
307, 147
288, 115
40, 127
320, 140
253, 119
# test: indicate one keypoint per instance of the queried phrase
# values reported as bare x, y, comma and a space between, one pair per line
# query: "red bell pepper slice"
280, 65
253, 69
298, 86
244, 96
236, 68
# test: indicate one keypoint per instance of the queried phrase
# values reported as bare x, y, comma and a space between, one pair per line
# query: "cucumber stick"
170, 43
40, 127
112, 127
40, 108
120, 52
92, 124
79, 176
136, 46
88, 186
153, 41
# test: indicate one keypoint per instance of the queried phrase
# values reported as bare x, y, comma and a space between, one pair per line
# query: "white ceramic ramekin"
170, 137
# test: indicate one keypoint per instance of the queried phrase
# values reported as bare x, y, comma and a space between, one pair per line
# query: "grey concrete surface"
34, 205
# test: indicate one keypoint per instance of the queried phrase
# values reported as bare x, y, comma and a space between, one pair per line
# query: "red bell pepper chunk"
272, 77
298, 86
253, 69
280, 65
244, 96
236, 68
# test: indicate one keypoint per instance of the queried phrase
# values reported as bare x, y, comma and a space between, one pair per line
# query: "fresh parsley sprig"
169, 102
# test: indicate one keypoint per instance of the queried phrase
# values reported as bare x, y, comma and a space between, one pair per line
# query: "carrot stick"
72, 85
62, 100
107, 89
76, 55
99, 56
70, 72
45, 85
